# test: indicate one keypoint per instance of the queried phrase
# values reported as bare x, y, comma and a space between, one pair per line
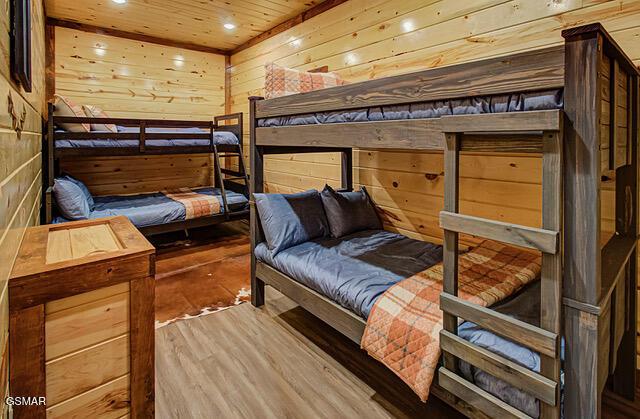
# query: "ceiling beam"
288, 24
134, 36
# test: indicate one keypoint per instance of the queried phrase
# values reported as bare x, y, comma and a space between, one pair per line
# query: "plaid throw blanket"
196, 205
404, 325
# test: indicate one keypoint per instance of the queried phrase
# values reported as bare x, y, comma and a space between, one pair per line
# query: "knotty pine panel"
363, 40
20, 167
135, 79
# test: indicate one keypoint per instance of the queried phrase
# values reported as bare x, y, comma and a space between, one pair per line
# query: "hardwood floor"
274, 362
280, 362
203, 273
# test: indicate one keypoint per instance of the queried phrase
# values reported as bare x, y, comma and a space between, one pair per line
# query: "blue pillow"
84, 189
288, 220
70, 199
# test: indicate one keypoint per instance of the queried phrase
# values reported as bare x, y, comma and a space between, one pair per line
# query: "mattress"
516, 102
357, 269
219, 138
155, 208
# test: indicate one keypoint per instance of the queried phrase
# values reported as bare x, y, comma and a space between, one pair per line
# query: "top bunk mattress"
219, 138
515, 102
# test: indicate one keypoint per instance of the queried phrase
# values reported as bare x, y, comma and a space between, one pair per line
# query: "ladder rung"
234, 178
231, 172
229, 154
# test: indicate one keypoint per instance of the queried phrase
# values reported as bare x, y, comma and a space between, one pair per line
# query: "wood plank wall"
135, 79
20, 164
366, 39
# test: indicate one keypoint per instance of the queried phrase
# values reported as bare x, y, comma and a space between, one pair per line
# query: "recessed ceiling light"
119, 1
229, 26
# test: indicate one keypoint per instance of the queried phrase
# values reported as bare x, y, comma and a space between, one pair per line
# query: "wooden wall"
135, 79
20, 164
367, 39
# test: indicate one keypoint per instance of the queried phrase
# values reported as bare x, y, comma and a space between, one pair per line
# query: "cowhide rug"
201, 275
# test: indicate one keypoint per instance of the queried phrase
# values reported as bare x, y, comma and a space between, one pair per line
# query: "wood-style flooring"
279, 361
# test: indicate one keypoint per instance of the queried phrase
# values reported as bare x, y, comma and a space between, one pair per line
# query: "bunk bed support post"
582, 222
50, 166
257, 186
551, 271
450, 243
599, 294
346, 169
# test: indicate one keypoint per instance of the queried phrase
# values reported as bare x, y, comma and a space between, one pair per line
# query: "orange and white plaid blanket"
196, 205
403, 328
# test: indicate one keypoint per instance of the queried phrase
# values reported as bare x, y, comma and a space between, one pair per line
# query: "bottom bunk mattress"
355, 270
155, 208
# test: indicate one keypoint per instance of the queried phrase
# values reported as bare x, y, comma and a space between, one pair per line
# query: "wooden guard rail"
501, 128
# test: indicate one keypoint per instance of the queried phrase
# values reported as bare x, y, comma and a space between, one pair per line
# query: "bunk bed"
582, 119
152, 213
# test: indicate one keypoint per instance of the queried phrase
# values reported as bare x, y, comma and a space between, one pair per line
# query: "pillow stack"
66, 107
282, 81
291, 219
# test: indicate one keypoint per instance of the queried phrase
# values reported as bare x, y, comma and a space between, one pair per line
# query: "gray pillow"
84, 190
70, 199
349, 212
291, 219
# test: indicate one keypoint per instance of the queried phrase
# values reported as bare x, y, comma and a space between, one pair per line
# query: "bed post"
582, 222
346, 169
257, 185
50, 166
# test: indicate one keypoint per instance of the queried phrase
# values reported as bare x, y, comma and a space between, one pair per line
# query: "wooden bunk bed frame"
588, 292
230, 123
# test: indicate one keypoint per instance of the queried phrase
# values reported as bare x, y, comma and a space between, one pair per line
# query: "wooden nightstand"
81, 298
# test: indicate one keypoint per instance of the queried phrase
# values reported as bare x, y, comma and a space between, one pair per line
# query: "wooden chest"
81, 298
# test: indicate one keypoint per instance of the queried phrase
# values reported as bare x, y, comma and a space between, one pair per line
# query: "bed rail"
528, 71
544, 339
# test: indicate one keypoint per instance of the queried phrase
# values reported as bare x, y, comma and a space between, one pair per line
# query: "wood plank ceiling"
198, 22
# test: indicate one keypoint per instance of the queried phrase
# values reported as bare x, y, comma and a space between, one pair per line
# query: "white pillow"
65, 107
95, 112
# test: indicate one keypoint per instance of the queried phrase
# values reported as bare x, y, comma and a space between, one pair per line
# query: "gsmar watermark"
26, 401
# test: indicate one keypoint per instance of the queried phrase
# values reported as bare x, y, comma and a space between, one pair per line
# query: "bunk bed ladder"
536, 131
239, 175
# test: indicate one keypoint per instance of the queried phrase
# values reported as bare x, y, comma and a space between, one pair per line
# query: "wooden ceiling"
197, 22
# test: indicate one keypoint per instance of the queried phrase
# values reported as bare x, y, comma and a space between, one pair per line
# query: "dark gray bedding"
219, 138
357, 269
515, 102
154, 208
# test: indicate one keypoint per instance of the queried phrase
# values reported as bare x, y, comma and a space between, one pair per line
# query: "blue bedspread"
357, 269
155, 208
220, 137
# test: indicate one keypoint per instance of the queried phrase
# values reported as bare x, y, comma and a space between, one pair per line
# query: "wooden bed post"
346, 169
257, 186
450, 244
582, 222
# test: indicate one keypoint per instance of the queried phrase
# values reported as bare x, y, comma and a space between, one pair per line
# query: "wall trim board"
288, 24
134, 36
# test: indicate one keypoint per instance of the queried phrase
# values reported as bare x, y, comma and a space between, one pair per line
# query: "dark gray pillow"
291, 219
70, 199
348, 212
